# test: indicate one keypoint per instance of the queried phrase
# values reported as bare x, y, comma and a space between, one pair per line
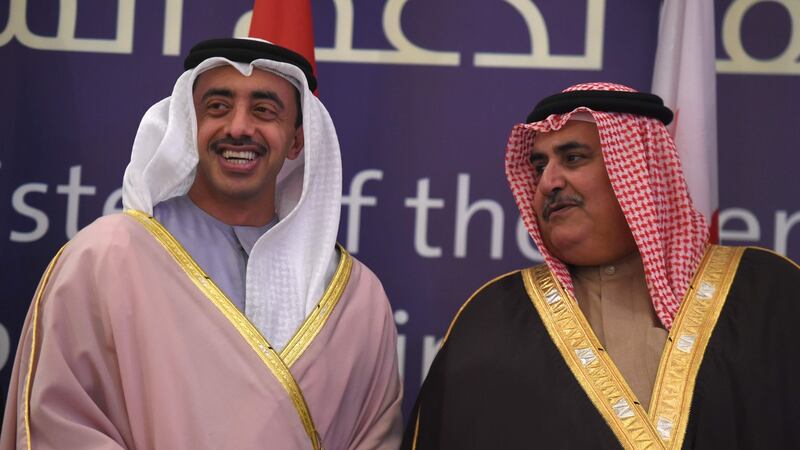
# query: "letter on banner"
8, 31
405, 51
540, 56
173, 24
65, 39
242, 27
740, 62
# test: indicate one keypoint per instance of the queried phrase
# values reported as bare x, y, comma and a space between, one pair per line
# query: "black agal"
246, 51
639, 103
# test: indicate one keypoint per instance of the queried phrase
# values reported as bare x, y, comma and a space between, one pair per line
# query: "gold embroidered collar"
664, 426
278, 364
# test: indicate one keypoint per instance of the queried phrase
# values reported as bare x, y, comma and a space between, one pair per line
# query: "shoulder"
360, 276
759, 297
764, 280
768, 259
109, 238
360, 272
363, 290
496, 288
763, 265
95, 256
497, 297
113, 229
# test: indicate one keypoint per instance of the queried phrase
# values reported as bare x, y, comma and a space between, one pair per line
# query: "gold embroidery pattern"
34, 331
588, 361
319, 316
253, 337
687, 342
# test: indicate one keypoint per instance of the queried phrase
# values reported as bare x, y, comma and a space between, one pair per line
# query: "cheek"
610, 214
202, 143
203, 136
538, 202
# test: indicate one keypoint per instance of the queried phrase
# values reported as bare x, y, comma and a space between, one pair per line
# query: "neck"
236, 212
633, 258
629, 265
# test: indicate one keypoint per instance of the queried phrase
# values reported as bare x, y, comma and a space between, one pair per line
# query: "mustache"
558, 200
238, 142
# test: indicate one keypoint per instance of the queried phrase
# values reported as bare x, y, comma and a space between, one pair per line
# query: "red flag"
685, 77
286, 23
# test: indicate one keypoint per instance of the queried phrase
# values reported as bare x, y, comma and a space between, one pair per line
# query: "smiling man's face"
246, 129
579, 217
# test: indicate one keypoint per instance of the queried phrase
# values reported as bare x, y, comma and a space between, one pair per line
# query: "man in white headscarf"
636, 332
217, 311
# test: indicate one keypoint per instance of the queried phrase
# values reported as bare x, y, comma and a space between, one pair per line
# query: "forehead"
228, 77
573, 132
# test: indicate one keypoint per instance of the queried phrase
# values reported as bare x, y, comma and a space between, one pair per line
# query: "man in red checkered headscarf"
635, 319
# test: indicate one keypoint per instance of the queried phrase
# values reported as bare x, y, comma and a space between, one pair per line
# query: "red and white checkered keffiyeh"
646, 175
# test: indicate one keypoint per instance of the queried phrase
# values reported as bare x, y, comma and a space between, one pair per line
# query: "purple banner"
423, 95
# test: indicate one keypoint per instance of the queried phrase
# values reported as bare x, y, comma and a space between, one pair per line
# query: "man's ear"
297, 145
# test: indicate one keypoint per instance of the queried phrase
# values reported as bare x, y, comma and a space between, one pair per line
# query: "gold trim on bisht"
687, 342
319, 316
34, 331
416, 433
665, 426
249, 332
588, 361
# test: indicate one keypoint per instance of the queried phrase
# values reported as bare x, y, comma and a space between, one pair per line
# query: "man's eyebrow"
217, 92
255, 95
268, 95
571, 145
560, 149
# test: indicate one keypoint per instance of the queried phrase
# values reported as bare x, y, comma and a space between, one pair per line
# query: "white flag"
685, 77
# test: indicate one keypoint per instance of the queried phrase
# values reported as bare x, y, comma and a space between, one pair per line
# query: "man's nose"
551, 179
241, 123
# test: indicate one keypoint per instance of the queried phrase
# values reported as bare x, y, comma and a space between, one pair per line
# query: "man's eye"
216, 106
263, 110
574, 158
538, 170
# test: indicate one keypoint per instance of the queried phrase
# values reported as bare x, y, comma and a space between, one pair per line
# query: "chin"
591, 255
582, 260
566, 241
578, 251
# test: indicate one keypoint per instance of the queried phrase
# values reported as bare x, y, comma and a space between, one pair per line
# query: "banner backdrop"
423, 95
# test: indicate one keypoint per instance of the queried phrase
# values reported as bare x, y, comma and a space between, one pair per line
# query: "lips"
238, 155
557, 208
560, 203
238, 159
